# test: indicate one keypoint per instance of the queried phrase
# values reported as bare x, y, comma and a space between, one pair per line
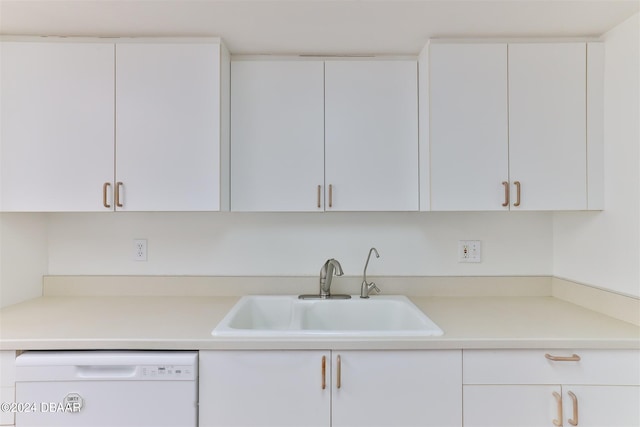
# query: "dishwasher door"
106, 389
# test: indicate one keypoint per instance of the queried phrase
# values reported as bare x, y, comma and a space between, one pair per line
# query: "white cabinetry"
169, 131
547, 125
508, 126
371, 135
57, 124
316, 136
525, 388
277, 122
468, 126
98, 126
330, 388
7, 385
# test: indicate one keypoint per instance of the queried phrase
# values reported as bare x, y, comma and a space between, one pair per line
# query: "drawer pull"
558, 422
517, 203
506, 193
574, 421
324, 372
572, 358
105, 187
339, 372
118, 190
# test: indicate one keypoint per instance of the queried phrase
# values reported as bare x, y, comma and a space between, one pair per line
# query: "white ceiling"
316, 26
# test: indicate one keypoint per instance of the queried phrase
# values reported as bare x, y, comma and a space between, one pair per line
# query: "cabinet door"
56, 149
277, 131
547, 125
264, 388
468, 126
598, 406
397, 388
168, 126
511, 405
371, 135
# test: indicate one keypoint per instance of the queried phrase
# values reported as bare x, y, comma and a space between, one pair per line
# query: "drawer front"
597, 367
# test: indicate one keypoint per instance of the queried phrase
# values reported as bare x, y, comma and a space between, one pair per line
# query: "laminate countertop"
186, 322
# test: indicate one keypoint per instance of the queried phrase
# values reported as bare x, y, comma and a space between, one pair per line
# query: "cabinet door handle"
574, 421
330, 195
558, 422
506, 193
517, 184
105, 187
118, 187
319, 193
324, 372
572, 358
338, 372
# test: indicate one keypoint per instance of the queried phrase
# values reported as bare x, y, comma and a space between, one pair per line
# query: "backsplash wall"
298, 243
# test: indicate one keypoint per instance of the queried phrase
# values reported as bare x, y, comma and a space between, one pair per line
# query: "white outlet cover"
139, 249
469, 251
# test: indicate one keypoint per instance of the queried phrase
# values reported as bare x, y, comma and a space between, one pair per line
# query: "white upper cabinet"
508, 126
469, 126
371, 135
98, 126
56, 143
169, 133
547, 125
277, 129
324, 136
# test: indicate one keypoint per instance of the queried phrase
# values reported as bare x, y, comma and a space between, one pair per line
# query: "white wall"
23, 256
298, 243
603, 249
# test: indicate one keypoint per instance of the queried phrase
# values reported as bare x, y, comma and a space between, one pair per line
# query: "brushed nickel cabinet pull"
574, 421
517, 184
558, 422
338, 372
506, 193
118, 187
572, 358
105, 186
319, 193
330, 195
324, 372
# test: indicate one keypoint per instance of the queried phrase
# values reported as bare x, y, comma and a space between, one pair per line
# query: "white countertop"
186, 322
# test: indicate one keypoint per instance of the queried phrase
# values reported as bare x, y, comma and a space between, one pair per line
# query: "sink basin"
287, 316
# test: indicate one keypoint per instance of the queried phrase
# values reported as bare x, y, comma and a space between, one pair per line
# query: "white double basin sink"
287, 316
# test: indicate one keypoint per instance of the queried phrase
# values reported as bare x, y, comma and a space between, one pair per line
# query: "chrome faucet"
367, 287
326, 275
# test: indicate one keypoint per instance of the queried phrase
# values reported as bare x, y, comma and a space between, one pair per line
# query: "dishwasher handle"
106, 371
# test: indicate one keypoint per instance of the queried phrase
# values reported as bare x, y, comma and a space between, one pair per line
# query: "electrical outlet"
469, 251
140, 249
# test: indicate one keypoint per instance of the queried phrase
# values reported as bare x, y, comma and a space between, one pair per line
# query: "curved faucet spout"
367, 287
330, 267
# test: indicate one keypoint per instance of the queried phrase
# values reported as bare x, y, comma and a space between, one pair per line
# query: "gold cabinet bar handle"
324, 372
517, 184
118, 187
105, 186
572, 358
330, 195
319, 193
506, 193
338, 372
558, 422
574, 421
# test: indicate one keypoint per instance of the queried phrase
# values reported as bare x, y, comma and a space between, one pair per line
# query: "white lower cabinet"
7, 386
330, 388
519, 388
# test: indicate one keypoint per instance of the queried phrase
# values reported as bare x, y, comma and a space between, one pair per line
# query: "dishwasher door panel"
107, 403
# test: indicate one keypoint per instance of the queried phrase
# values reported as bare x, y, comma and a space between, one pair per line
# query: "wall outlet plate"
139, 249
469, 251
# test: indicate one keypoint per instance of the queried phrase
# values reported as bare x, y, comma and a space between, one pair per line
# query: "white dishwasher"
107, 389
